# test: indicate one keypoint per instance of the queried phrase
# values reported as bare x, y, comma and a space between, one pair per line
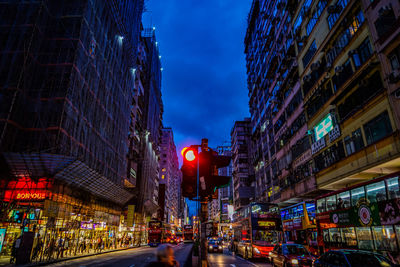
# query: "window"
349, 235
393, 188
321, 205
376, 192
394, 62
384, 238
364, 238
365, 50
331, 203
385, 22
354, 143
356, 195
309, 54
335, 235
164, 169
378, 128
315, 16
343, 200
332, 18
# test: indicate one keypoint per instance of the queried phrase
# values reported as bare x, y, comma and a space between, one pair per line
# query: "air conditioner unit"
352, 52
315, 66
307, 78
339, 69
385, 10
332, 9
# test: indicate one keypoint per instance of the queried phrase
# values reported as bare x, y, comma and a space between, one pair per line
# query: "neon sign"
29, 196
266, 223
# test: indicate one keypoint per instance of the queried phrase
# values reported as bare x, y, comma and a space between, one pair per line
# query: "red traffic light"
188, 154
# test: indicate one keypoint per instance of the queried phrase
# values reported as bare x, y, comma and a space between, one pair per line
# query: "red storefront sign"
25, 189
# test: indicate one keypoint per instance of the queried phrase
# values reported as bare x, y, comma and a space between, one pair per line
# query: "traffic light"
189, 172
210, 181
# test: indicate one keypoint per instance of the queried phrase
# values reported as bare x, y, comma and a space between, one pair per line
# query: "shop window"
384, 238
343, 200
376, 192
321, 205
364, 238
378, 128
331, 203
393, 188
349, 235
356, 195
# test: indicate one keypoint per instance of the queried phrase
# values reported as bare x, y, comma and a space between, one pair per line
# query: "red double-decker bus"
365, 216
257, 229
155, 233
188, 233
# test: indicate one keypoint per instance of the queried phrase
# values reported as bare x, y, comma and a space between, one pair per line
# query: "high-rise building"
322, 79
242, 171
67, 92
171, 177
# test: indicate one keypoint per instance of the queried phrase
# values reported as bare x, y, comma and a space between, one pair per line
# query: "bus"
155, 233
188, 233
365, 216
299, 225
257, 229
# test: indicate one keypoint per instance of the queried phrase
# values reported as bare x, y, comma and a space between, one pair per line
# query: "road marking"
233, 265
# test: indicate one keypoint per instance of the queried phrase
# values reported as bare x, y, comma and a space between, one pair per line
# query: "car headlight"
257, 250
210, 247
295, 262
219, 247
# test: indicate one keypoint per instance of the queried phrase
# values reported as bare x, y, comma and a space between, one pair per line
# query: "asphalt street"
230, 260
136, 257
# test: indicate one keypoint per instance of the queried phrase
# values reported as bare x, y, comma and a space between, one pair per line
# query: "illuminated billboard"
323, 127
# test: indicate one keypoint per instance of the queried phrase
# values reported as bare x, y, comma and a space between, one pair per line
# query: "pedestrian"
165, 257
15, 248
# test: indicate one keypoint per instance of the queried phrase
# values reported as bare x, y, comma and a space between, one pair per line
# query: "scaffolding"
67, 86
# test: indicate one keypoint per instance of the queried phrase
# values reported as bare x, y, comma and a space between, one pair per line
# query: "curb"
71, 258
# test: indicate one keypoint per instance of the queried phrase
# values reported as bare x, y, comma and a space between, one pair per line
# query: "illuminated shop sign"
266, 224
324, 127
25, 195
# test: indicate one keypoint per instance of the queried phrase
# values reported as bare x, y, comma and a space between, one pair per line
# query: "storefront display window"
343, 200
376, 192
364, 238
393, 188
356, 195
384, 238
331, 203
349, 235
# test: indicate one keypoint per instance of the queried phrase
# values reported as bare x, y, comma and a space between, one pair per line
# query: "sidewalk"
5, 261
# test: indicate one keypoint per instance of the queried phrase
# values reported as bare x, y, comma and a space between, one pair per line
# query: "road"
137, 257
230, 260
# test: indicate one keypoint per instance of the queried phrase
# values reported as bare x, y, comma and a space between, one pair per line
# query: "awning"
68, 170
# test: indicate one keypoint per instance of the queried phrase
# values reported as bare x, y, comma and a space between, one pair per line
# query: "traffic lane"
136, 257
231, 260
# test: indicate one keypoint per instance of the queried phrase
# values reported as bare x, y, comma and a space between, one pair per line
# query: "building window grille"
309, 54
378, 128
315, 16
333, 17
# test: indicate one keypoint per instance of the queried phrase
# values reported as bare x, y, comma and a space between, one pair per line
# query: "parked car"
352, 258
285, 255
215, 245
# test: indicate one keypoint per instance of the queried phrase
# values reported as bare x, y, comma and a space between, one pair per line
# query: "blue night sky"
204, 77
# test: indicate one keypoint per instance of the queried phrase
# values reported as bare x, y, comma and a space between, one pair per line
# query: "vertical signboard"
131, 213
